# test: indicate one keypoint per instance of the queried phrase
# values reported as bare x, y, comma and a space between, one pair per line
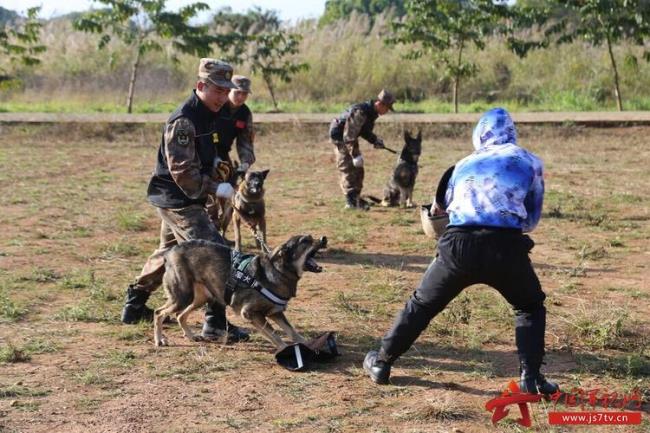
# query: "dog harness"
241, 279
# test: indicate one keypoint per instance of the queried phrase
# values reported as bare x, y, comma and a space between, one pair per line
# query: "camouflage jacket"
185, 163
357, 121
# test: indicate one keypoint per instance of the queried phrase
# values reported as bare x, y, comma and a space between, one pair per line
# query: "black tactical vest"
229, 125
163, 191
338, 125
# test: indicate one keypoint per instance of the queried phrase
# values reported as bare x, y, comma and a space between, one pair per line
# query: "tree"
444, 29
20, 40
142, 25
262, 44
267, 56
341, 9
599, 22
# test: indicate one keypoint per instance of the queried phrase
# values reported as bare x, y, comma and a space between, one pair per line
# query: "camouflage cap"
386, 98
243, 83
216, 72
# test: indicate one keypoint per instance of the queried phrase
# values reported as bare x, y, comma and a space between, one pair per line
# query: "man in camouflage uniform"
184, 176
345, 130
234, 123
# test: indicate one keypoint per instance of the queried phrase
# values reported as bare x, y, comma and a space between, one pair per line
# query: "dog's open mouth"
310, 264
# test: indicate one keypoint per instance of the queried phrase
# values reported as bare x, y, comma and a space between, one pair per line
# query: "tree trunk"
269, 85
617, 89
457, 77
134, 74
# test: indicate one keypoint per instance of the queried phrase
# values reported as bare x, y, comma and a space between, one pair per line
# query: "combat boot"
534, 382
351, 200
135, 310
363, 204
217, 328
378, 370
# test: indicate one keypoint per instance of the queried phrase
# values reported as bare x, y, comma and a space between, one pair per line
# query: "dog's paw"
162, 342
197, 338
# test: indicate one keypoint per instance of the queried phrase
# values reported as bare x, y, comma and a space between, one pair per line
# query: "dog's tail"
371, 198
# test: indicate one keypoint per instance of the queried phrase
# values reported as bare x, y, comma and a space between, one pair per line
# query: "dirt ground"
76, 229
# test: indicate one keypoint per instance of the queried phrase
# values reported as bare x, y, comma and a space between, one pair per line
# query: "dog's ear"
407, 135
419, 134
264, 173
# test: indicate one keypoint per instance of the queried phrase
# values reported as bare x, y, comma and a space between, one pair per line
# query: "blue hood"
495, 127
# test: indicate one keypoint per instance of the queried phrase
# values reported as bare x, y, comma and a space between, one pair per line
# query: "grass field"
94, 103
76, 229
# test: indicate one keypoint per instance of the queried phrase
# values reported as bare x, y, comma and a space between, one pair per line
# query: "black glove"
379, 144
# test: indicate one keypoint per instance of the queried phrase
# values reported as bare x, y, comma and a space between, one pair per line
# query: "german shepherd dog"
248, 206
196, 272
399, 189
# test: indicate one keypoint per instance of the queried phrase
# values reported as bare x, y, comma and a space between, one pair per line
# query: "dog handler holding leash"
357, 121
493, 196
184, 176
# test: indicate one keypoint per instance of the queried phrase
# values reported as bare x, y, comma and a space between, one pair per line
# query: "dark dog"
399, 189
248, 206
197, 271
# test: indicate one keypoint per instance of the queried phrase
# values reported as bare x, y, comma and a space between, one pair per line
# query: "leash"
390, 150
256, 232
260, 239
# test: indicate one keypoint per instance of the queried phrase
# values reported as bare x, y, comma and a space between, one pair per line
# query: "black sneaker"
379, 371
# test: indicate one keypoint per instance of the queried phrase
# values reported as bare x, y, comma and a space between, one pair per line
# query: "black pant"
466, 256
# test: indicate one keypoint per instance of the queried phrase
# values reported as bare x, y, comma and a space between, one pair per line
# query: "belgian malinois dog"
399, 189
196, 272
248, 206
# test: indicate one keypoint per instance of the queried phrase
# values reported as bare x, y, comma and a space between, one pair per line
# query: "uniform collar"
203, 112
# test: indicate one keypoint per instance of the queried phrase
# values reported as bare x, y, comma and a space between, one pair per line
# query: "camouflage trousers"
350, 177
177, 225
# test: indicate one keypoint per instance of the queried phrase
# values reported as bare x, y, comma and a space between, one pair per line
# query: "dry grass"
76, 229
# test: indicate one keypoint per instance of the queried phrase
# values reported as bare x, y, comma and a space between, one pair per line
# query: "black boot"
217, 328
135, 310
534, 382
351, 200
378, 370
363, 204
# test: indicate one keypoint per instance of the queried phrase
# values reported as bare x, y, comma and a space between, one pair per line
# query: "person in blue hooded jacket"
493, 197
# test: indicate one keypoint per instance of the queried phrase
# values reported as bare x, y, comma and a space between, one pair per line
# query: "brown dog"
248, 206
198, 271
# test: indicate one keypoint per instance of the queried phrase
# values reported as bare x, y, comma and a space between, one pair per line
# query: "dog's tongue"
312, 266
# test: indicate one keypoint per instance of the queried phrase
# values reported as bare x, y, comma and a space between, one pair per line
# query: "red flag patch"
240, 124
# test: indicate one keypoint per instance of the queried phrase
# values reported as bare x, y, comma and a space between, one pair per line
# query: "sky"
288, 10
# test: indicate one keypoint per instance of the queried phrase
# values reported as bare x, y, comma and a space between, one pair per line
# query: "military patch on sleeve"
183, 137
240, 124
